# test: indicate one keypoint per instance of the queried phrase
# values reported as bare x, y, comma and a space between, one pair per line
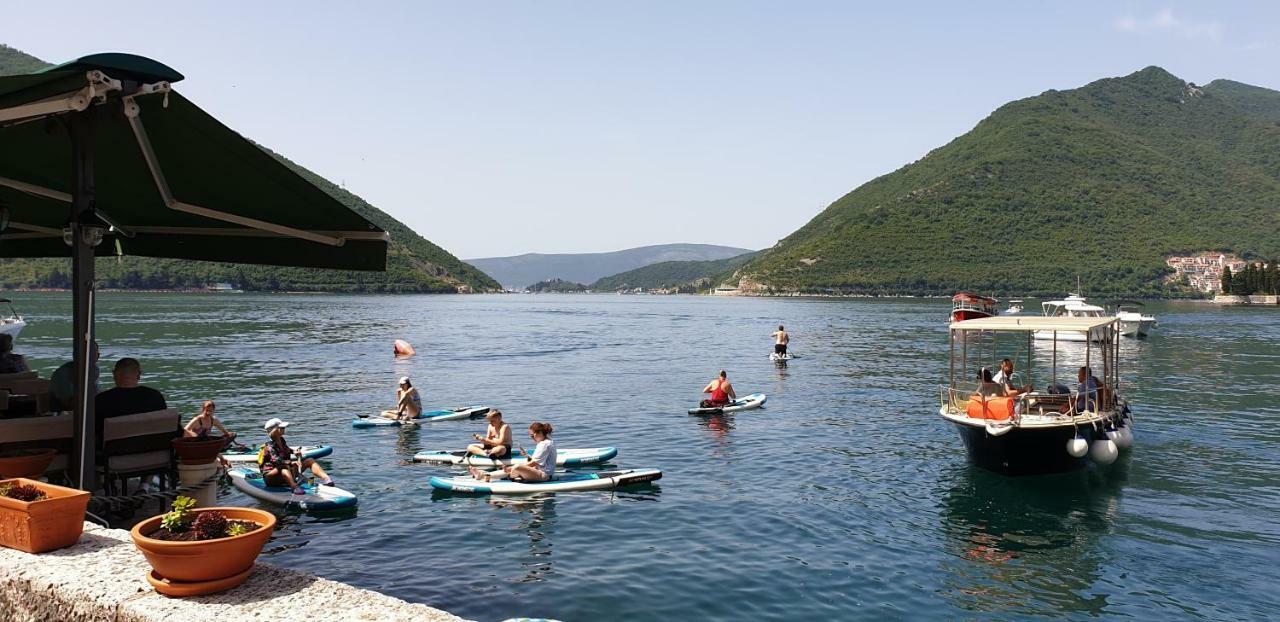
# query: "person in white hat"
279, 466
408, 402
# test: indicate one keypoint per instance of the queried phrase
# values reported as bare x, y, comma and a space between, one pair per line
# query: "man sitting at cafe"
128, 397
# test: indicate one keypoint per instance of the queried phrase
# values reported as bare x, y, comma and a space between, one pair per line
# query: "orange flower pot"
194, 451
206, 560
26, 462
39, 526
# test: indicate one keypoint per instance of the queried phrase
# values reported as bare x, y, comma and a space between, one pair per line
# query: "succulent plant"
22, 492
210, 525
238, 529
180, 518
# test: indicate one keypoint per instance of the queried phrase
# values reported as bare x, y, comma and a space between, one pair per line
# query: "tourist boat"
1015, 307
966, 306
1046, 430
1074, 305
1133, 323
13, 324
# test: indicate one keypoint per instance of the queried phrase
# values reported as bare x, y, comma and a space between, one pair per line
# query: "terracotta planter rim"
268, 522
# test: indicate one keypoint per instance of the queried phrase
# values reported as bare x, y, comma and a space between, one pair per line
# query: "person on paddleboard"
408, 401
496, 442
721, 392
541, 466
780, 341
277, 463
205, 423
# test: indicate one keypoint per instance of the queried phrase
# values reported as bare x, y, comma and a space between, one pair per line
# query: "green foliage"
180, 518
1105, 181
1256, 278
1226, 279
668, 274
413, 263
22, 492
557, 285
238, 529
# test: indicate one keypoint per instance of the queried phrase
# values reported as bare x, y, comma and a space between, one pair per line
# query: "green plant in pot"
194, 551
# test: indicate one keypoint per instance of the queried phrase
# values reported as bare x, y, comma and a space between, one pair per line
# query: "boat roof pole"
951, 341
1055, 357
1029, 336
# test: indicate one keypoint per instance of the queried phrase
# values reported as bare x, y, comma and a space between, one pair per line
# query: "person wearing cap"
278, 463
496, 442
408, 401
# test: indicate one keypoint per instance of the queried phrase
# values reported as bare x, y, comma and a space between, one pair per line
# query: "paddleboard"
755, 400
249, 453
429, 416
318, 497
564, 457
562, 483
774, 356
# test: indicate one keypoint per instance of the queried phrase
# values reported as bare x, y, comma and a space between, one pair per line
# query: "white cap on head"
274, 423
404, 380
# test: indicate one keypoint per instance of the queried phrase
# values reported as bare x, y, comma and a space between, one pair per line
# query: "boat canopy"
1035, 323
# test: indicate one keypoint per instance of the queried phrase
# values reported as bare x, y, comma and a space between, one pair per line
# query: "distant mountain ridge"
414, 264
524, 270
1104, 181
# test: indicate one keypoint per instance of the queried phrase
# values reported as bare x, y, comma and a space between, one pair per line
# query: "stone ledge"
103, 578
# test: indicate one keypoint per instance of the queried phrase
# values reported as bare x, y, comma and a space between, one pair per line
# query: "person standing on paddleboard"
721, 392
496, 442
780, 341
277, 462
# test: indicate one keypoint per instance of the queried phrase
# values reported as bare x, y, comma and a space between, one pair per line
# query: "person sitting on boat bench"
1004, 378
496, 442
1086, 393
987, 387
541, 466
277, 463
721, 392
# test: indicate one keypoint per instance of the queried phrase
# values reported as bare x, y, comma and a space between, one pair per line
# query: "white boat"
1074, 305
1015, 307
1133, 323
13, 324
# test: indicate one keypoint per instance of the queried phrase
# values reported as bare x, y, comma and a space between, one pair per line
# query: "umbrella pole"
82, 278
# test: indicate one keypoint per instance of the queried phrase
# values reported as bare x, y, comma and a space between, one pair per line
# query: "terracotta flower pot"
195, 451
39, 526
206, 560
26, 462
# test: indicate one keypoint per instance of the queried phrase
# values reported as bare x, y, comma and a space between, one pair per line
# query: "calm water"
846, 498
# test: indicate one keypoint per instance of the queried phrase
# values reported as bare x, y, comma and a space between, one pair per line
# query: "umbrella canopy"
169, 178
100, 156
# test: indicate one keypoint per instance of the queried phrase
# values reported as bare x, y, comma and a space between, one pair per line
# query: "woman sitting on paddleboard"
721, 392
205, 422
279, 466
496, 442
408, 402
541, 466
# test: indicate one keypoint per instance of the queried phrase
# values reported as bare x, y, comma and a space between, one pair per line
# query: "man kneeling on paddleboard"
277, 462
721, 392
496, 442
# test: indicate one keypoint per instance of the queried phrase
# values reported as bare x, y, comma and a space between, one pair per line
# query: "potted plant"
25, 462
202, 551
36, 517
199, 451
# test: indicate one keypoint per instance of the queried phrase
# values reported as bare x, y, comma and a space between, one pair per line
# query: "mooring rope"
139, 499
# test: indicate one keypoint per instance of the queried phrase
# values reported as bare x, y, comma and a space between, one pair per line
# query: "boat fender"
998, 429
1124, 438
1077, 447
403, 348
1103, 451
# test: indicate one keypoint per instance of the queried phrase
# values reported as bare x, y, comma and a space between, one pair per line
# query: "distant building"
1204, 270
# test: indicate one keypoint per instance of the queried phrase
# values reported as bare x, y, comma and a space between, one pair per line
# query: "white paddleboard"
755, 400
448, 414
317, 497
249, 453
774, 356
564, 457
601, 480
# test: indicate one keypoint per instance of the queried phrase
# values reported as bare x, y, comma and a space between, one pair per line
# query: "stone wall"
103, 578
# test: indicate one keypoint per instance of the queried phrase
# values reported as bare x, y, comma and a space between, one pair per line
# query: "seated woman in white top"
541, 466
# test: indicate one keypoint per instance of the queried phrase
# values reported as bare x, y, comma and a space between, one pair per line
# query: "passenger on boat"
496, 442
987, 386
780, 341
1086, 393
10, 363
206, 422
1005, 379
721, 391
277, 463
408, 401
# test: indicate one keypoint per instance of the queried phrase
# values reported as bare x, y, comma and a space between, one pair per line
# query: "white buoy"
1103, 451
1124, 438
1077, 447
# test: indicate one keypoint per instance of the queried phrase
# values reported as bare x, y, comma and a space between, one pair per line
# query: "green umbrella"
103, 153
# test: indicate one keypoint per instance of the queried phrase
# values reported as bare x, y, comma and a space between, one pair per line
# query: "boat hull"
960, 315
1024, 451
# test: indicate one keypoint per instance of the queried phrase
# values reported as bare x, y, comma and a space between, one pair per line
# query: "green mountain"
558, 286
413, 263
521, 270
687, 275
1103, 181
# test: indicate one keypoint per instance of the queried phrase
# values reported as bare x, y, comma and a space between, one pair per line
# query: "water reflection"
1029, 545
537, 519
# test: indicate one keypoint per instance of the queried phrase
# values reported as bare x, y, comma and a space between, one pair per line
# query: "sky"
499, 128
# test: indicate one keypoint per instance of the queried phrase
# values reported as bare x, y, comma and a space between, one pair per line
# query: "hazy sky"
497, 128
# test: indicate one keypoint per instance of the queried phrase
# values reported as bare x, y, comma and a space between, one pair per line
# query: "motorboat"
1133, 322
1054, 429
1073, 306
966, 306
1015, 307
13, 324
